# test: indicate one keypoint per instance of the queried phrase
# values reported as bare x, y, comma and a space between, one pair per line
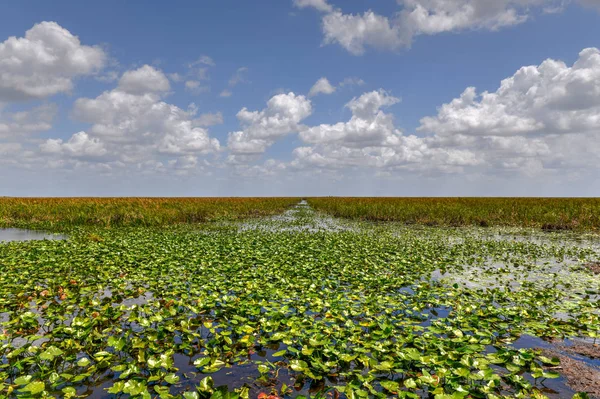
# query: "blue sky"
214, 98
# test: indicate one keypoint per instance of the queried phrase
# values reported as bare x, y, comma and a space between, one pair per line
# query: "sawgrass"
546, 213
53, 213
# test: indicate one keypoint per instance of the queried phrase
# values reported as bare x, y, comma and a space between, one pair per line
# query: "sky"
300, 98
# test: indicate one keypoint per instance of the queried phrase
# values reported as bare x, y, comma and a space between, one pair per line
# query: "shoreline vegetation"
550, 214
60, 213
292, 305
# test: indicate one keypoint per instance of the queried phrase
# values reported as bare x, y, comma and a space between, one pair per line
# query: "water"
7, 235
300, 218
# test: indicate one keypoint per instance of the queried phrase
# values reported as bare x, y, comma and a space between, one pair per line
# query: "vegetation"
547, 213
56, 213
285, 307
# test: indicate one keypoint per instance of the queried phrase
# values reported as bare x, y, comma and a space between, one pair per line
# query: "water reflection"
7, 235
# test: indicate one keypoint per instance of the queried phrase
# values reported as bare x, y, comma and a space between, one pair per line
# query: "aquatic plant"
551, 214
289, 307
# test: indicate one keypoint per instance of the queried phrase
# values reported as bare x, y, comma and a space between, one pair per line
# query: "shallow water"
300, 218
7, 235
531, 273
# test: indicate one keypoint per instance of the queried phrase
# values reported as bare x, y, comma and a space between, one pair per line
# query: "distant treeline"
107, 212
545, 213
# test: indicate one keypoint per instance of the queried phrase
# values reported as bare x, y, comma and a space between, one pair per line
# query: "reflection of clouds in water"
300, 218
9, 235
567, 276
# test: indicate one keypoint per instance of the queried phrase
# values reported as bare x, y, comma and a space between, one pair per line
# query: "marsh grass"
550, 214
57, 213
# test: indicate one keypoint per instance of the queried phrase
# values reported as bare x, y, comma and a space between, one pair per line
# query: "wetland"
300, 303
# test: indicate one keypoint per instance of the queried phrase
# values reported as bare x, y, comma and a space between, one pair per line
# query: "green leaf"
410, 383
69, 391
83, 362
51, 353
206, 385
35, 387
298, 365
23, 380
172, 379
391, 386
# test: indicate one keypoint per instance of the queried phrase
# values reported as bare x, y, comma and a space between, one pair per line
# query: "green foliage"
167, 312
64, 213
547, 213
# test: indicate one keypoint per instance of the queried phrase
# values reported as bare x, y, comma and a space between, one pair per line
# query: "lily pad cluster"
231, 311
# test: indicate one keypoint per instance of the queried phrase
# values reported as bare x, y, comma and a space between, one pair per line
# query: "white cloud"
320, 5
195, 87
209, 119
203, 60
545, 99
436, 16
370, 139
196, 76
369, 126
322, 86
543, 119
80, 145
132, 124
369, 104
44, 62
9, 149
261, 129
146, 79
36, 120
590, 3
108, 76
175, 77
356, 32
238, 77
353, 81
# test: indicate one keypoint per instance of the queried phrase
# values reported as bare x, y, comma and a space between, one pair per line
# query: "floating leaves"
367, 310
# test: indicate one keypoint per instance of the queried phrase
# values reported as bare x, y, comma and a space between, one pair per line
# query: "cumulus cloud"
195, 87
371, 139
544, 99
146, 79
357, 32
322, 86
369, 126
45, 62
80, 145
261, 129
132, 123
320, 5
36, 120
209, 119
175, 77
544, 118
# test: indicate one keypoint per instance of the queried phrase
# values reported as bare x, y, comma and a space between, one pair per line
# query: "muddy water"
7, 235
